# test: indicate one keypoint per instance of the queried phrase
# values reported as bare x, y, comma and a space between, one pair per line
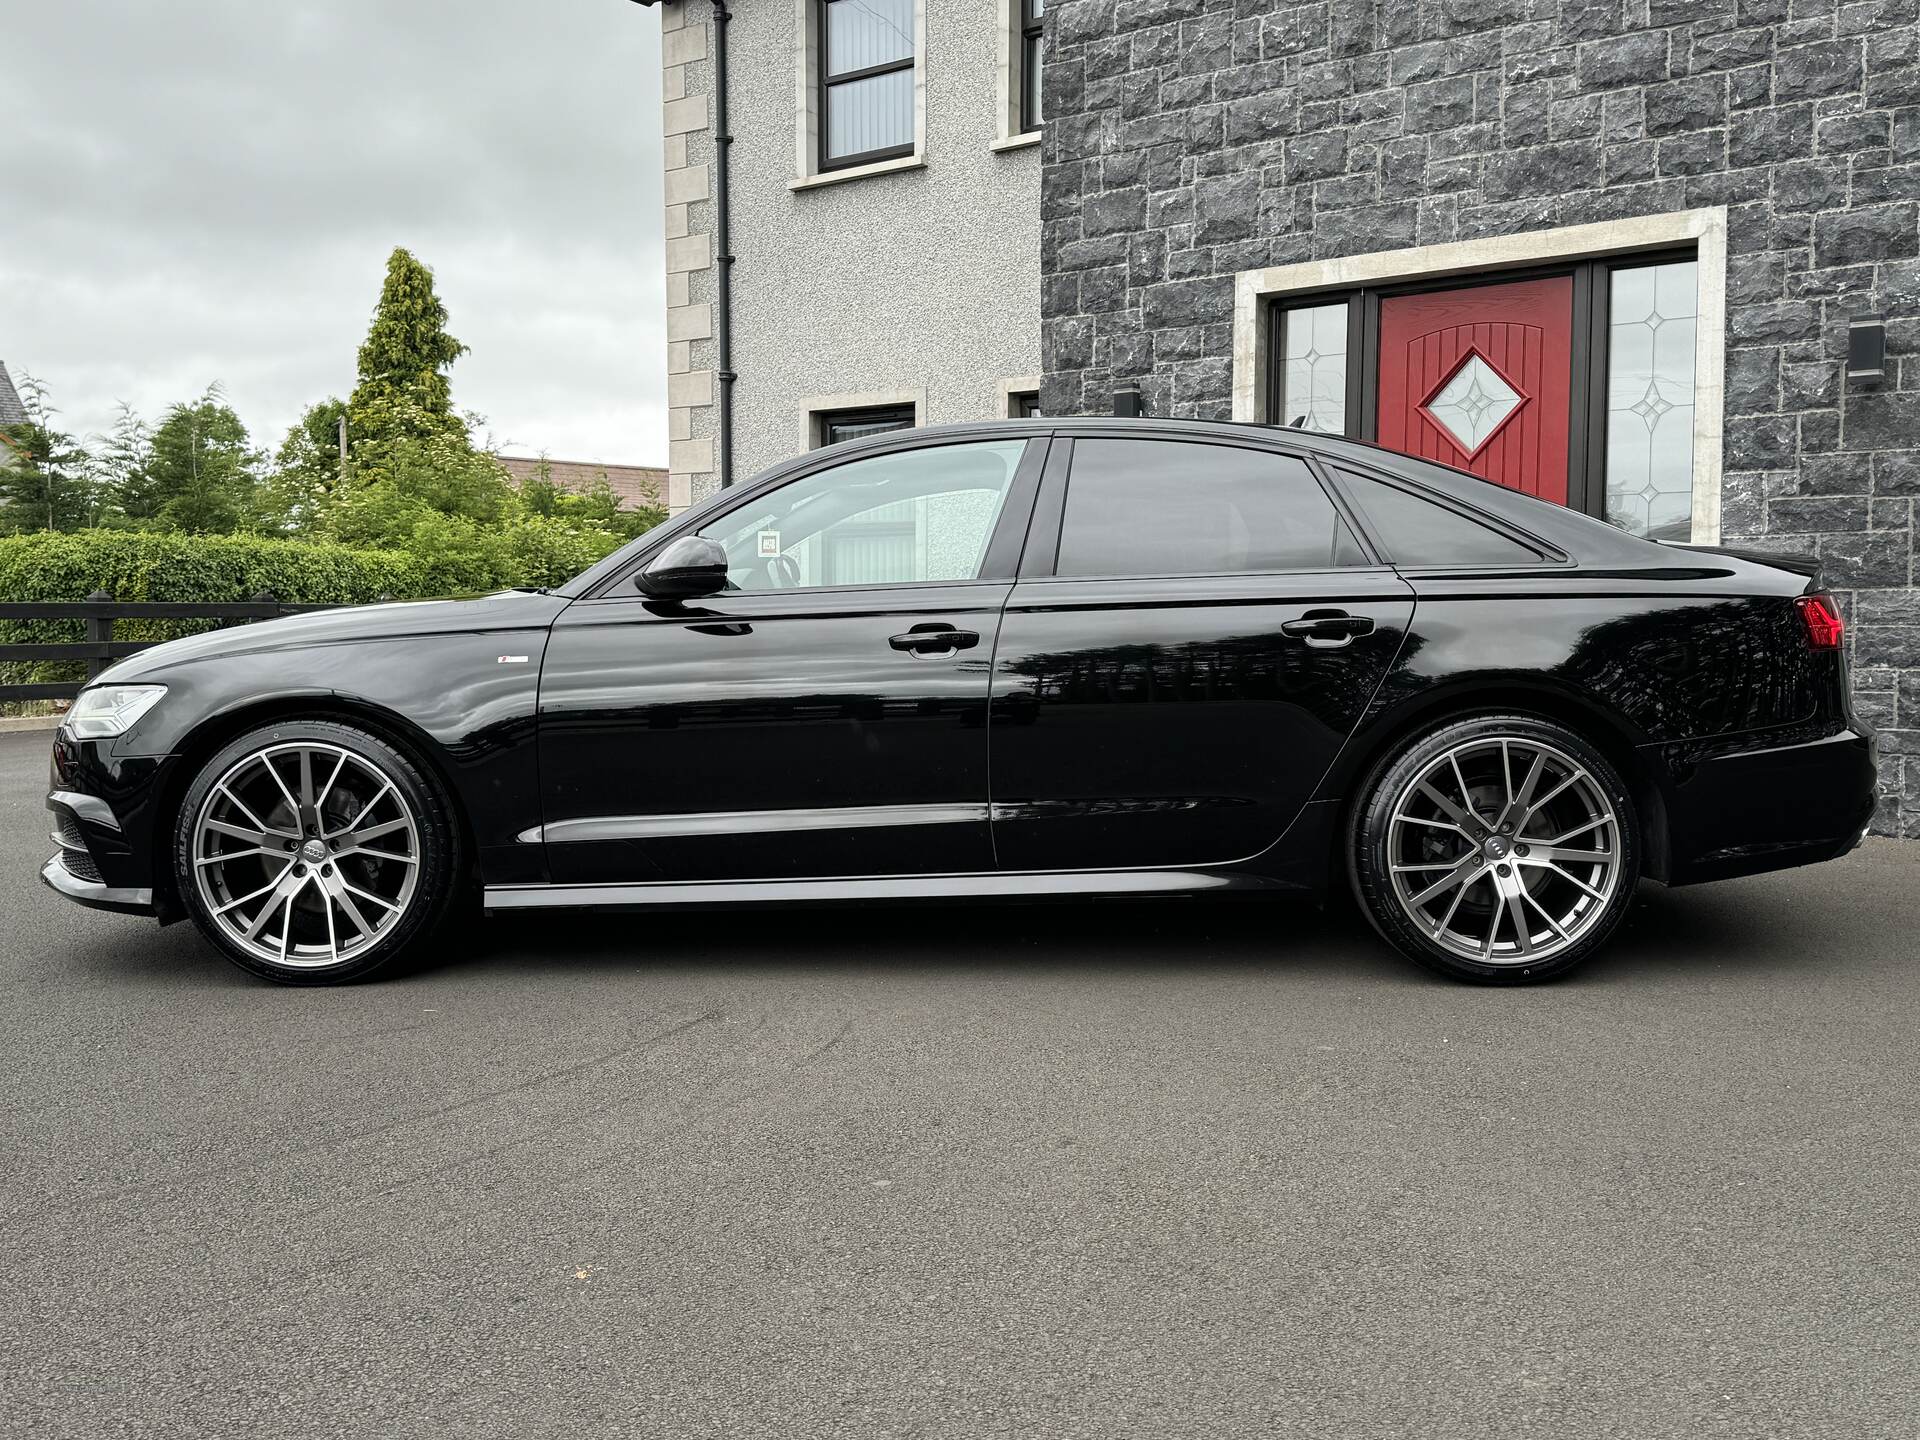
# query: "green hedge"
133, 566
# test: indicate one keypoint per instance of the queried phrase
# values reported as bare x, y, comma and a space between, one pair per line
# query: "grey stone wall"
1189, 140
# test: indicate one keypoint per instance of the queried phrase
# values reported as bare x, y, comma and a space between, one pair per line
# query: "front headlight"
104, 711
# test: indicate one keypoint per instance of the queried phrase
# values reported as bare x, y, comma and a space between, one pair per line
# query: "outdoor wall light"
1867, 348
1127, 403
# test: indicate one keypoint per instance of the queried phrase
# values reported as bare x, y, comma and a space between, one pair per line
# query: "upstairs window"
1032, 43
866, 81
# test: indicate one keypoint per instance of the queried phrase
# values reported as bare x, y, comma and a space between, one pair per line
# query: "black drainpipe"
723, 241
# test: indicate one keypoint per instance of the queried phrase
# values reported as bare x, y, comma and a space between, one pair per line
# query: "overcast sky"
203, 190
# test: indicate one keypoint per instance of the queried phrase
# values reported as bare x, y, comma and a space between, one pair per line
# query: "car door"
825, 715
1179, 666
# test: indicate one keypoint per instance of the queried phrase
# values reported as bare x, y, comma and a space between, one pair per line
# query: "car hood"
508, 610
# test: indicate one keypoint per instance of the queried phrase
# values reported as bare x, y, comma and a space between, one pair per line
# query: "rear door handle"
935, 638
1328, 629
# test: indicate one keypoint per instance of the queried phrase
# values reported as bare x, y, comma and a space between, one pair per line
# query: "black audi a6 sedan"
1026, 658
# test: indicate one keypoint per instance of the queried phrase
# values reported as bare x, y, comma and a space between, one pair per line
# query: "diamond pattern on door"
1472, 404
1481, 377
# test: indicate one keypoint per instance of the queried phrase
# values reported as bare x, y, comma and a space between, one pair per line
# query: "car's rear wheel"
312, 852
1501, 849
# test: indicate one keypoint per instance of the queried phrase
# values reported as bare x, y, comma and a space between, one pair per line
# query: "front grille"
80, 865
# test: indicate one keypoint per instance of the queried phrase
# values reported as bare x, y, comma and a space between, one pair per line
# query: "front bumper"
103, 811
1767, 802
57, 875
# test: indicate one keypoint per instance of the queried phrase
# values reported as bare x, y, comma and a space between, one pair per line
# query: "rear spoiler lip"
1807, 565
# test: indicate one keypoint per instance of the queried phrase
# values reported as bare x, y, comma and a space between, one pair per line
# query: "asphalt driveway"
1144, 1170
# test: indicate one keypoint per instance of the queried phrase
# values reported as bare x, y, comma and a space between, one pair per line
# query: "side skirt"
1024, 886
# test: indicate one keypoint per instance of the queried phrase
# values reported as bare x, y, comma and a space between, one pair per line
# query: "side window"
1414, 531
915, 515
1170, 507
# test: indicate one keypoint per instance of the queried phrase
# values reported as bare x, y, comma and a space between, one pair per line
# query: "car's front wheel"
313, 852
1501, 849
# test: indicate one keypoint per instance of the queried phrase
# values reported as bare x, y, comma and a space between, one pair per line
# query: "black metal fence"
100, 612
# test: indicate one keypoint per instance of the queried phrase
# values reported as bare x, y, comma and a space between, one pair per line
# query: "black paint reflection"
1171, 734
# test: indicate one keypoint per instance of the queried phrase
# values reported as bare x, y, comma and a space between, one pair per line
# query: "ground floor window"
1574, 383
833, 426
882, 541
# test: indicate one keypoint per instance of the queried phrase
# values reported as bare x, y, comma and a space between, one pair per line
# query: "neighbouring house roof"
12, 412
633, 485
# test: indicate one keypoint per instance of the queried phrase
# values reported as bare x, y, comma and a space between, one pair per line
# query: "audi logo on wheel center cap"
313, 852
1496, 847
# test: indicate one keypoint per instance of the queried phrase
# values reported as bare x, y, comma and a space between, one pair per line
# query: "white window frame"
807, 173
1255, 292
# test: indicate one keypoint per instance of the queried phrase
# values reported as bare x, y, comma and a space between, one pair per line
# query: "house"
1658, 260
865, 253
12, 412
634, 486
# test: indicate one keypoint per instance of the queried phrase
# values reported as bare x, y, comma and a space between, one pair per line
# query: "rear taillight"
1823, 622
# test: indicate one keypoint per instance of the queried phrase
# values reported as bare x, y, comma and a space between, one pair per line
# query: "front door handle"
934, 638
1328, 629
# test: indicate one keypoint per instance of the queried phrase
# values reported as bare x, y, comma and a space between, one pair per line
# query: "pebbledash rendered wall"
1191, 142
913, 281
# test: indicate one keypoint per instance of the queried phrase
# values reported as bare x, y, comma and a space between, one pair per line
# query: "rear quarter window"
1412, 530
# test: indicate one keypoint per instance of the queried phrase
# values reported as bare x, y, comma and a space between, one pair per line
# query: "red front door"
1482, 378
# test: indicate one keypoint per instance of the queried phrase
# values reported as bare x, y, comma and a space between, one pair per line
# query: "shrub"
130, 565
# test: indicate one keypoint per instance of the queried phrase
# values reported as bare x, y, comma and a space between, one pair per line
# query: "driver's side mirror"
690, 567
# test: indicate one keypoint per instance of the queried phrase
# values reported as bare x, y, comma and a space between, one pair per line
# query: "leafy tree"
202, 473
120, 460
404, 393
440, 499
415, 480
596, 506
307, 469
45, 476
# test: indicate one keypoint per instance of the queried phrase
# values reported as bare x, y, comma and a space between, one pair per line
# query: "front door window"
908, 518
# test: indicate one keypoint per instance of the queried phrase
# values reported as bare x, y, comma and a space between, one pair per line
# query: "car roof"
1579, 537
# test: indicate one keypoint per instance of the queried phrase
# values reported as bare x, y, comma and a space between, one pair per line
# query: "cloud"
208, 189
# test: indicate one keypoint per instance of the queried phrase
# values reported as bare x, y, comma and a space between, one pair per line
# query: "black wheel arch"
208, 737
1382, 735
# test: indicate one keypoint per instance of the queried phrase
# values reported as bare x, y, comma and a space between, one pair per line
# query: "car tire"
1442, 882
352, 839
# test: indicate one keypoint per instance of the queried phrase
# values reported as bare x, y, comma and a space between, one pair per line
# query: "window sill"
1017, 142
859, 172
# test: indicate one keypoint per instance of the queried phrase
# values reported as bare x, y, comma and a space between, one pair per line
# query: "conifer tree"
404, 392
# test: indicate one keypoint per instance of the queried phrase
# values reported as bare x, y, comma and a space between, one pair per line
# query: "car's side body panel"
767, 734
458, 682
1159, 722
1686, 666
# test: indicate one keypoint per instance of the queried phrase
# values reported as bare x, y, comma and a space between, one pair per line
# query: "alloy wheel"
1504, 850
306, 854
